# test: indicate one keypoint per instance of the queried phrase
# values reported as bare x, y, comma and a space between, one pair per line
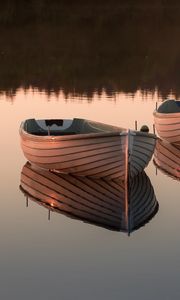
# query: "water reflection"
87, 48
113, 204
167, 158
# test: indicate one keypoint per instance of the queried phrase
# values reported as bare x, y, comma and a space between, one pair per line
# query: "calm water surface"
66, 258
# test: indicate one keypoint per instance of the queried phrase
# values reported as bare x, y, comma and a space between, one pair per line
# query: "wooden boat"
86, 148
112, 204
167, 121
167, 158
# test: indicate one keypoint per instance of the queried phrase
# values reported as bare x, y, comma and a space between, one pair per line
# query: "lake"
65, 257
44, 75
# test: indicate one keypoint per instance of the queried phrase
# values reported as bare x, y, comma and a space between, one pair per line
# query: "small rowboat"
111, 204
167, 121
86, 148
167, 158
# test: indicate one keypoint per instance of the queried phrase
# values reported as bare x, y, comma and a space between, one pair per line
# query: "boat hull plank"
50, 142
72, 149
88, 156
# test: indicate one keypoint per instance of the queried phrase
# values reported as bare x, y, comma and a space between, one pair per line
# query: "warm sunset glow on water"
119, 110
97, 254
70, 237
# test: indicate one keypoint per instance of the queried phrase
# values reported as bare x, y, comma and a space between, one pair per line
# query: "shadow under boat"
167, 158
111, 204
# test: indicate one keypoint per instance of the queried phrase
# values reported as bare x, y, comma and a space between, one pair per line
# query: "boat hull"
107, 155
168, 126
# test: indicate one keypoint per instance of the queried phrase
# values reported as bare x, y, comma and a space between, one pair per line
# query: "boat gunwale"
51, 138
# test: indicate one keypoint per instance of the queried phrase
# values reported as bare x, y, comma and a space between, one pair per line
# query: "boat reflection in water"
111, 204
167, 158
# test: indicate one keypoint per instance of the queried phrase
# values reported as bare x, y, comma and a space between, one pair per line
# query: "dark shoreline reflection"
113, 205
87, 47
167, 159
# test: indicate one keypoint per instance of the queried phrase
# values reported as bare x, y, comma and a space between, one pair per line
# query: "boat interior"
169, 106
57, 127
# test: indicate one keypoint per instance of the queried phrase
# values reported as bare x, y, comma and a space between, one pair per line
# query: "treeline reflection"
84, 47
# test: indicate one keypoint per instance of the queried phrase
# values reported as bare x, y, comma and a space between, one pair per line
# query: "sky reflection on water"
68, 259
98, 60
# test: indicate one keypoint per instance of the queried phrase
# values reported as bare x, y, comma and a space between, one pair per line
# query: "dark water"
105, 62
87, 47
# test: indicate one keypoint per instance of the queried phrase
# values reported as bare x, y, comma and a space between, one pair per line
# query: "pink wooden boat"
167, 121
86, 148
